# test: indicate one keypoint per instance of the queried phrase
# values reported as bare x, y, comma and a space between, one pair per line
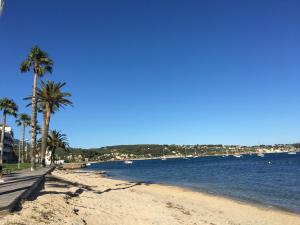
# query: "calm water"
249, 178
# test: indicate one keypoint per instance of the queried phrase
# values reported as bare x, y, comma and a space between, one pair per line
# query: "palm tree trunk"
23, 147
44, 139
2, 142
52, 156
33, 122
46, 123
20, 156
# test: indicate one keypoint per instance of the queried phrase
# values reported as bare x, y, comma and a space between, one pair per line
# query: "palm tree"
40, 63
57, 140
8, 107
24, 121
50, 99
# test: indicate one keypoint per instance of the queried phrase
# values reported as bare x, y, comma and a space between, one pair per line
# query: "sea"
272, 181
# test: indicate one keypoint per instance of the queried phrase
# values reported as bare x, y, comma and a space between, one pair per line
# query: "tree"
38, 61
8, 107
57, 140
24, 121
50, 99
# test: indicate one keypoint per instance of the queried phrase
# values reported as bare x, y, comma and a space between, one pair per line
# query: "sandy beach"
91, 198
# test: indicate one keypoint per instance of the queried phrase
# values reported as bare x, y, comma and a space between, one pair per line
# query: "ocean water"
273, 180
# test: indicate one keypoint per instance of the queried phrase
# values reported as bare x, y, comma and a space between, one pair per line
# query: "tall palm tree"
8, 107
38, 61
50, 99
57, 140
24, 121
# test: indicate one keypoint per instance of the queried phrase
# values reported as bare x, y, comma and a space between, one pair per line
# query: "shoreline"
253, 203
204, 192
198, 156
91, 198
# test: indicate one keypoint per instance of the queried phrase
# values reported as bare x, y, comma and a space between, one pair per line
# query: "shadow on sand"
55, 182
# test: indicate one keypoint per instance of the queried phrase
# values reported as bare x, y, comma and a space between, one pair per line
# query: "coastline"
189, 157
254, 203
260, 194
72, 197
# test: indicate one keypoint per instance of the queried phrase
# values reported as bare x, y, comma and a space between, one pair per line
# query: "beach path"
19, 185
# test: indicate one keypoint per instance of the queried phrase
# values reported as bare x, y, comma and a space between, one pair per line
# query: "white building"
8, 152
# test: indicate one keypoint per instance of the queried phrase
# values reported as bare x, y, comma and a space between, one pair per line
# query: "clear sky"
158, 71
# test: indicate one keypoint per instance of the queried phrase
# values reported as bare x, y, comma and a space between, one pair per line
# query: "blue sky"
144, 71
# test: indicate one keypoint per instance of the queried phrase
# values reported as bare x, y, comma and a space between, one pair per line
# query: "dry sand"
89, 198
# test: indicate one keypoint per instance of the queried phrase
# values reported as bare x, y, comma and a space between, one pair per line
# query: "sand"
90, 198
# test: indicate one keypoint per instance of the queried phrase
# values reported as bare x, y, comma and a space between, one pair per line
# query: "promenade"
19, 185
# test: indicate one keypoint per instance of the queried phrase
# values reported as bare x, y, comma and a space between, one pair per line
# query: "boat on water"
195, 155
292, 153
261, 155
225, 155
128, 162
237, 156
88, 164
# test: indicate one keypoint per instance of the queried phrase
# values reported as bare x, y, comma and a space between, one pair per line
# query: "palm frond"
50, 95
39, 60
23, 120
56, 140
8, 106
25, 66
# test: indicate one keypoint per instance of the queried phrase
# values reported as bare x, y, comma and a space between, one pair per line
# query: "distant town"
125, 152
144, 151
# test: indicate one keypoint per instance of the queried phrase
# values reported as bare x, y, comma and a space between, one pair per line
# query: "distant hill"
120, 152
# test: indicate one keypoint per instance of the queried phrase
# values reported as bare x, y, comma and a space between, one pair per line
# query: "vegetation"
47, 98
50, 98
24, 121
121, 152
8, 107
38, 61
16, 166
57, 140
